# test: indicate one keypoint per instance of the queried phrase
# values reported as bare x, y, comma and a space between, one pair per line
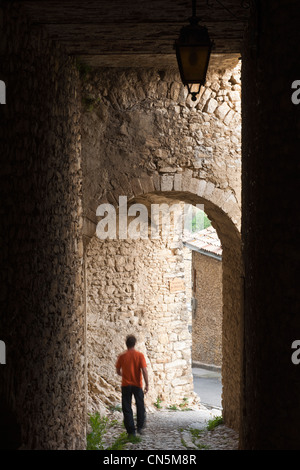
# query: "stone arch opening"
117, 270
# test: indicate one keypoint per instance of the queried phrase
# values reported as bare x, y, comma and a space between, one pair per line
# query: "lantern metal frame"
193, 36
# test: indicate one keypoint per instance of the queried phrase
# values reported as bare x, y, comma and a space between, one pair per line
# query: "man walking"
131, 366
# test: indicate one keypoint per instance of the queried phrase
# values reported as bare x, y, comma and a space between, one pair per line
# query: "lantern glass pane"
194, 62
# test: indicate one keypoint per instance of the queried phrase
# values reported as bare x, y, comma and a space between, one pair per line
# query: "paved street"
172, 430
208, 386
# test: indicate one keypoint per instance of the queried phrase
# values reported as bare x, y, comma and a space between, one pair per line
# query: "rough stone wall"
128, 284
42, 321
142, 123
207, 319
270, 230
187, 254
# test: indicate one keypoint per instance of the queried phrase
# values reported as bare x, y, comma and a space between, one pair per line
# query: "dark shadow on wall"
10, 432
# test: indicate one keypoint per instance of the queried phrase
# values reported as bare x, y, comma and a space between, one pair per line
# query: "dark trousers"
138, 394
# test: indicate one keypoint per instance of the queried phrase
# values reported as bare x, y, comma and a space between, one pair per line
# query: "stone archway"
147, 138
223, 210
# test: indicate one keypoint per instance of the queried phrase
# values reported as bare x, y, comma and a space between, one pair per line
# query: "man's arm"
118, 369
145, 375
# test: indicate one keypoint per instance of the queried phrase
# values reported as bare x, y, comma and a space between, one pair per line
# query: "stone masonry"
207, 317
128, 286
72, 138
170, 149
43, 383
144, 121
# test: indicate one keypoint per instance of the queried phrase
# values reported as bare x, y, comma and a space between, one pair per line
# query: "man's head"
130, 341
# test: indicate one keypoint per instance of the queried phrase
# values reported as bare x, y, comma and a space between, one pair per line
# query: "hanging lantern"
193, 49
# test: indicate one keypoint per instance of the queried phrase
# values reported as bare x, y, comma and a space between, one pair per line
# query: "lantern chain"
245, 4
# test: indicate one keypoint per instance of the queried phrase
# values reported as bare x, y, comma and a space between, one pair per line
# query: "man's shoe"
134, 439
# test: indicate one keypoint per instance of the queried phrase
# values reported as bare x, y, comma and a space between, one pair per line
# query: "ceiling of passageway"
135, 32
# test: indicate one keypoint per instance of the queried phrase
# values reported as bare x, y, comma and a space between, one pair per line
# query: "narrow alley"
175, 428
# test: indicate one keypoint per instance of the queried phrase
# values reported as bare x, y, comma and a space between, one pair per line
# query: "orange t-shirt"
131, 362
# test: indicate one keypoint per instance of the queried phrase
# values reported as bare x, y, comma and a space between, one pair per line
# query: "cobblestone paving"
179, 430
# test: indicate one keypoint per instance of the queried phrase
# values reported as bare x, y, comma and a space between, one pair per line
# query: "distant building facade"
206, 298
